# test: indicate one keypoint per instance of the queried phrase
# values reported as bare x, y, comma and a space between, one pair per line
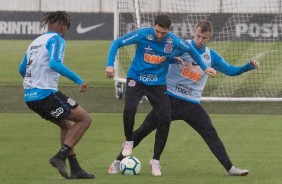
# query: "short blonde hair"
205, 26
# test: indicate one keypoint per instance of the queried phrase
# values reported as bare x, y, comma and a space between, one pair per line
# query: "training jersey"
187, 80
150, 63
42, 65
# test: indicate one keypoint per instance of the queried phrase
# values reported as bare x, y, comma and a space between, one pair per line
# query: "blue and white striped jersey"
42, 65
187, 81
150, 63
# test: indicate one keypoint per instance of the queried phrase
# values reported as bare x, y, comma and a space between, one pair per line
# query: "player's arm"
125, 40
223, 66
55, 48
22, 67
195, 55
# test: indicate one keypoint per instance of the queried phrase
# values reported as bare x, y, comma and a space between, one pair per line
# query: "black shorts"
55, 107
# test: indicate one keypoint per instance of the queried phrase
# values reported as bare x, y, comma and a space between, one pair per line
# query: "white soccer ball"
130, 166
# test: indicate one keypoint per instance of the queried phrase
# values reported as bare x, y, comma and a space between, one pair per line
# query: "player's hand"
255, 63
178, 59
211, 72
83, 87
110, 72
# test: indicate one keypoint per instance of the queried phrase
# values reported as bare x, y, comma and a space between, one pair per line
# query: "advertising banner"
84, 26
226, 26
100, 26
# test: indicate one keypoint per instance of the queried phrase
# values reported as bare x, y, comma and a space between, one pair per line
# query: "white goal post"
243, 30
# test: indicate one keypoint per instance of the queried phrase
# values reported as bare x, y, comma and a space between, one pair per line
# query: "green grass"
253, 142
27, 141
86, 58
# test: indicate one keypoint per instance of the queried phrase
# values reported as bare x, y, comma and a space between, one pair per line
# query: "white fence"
53, 5
107, 6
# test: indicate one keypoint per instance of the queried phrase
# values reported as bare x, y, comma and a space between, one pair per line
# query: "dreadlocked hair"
60, 17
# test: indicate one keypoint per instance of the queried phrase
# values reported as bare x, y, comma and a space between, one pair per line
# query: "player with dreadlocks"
40, 68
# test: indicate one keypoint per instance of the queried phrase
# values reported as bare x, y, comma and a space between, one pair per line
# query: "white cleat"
114, 167
156, 167
127, 148
234, 171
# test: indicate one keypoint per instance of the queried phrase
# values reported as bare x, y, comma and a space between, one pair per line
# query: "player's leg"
58, 108
138, 135
203, 125
133, 94
82, 122
161, 106
161, 117
145, 128
76, 171
48, 109
198, 119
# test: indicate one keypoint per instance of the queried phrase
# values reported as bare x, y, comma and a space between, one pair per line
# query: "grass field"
251, 131
86, 58
253, 142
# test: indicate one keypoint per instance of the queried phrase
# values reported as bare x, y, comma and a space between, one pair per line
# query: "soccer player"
155, 48
185, 91
40, 68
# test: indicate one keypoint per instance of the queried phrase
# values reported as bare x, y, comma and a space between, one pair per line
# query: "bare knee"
64, 124
87, 121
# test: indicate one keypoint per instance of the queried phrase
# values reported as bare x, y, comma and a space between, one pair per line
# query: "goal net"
243, 30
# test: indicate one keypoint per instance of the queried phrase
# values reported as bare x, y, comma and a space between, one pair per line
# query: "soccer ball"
130, 166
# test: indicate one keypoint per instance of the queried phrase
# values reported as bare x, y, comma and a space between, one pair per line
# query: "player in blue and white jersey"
40, 68
185, 84
155, 48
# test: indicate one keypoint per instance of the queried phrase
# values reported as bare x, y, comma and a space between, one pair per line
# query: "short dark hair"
60, 17
205, 26
163, 21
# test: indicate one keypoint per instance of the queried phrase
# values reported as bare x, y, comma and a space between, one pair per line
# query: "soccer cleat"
127, 148
234, 171
114, 167
156, 167
81, 174
60, 166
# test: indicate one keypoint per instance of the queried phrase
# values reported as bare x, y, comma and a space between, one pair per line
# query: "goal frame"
120, 82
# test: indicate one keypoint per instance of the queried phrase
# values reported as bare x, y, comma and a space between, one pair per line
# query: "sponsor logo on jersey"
154, 59
129, 38
181, 88
194, 63
57, 112
31, 95
168, 48
29, 62
71, 102
207, 56
35, 47
148, 77
169, 40
150, 37
28, 73
190, 74
131, 83
148, 48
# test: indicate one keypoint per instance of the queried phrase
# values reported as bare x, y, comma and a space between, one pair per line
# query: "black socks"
63, 153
